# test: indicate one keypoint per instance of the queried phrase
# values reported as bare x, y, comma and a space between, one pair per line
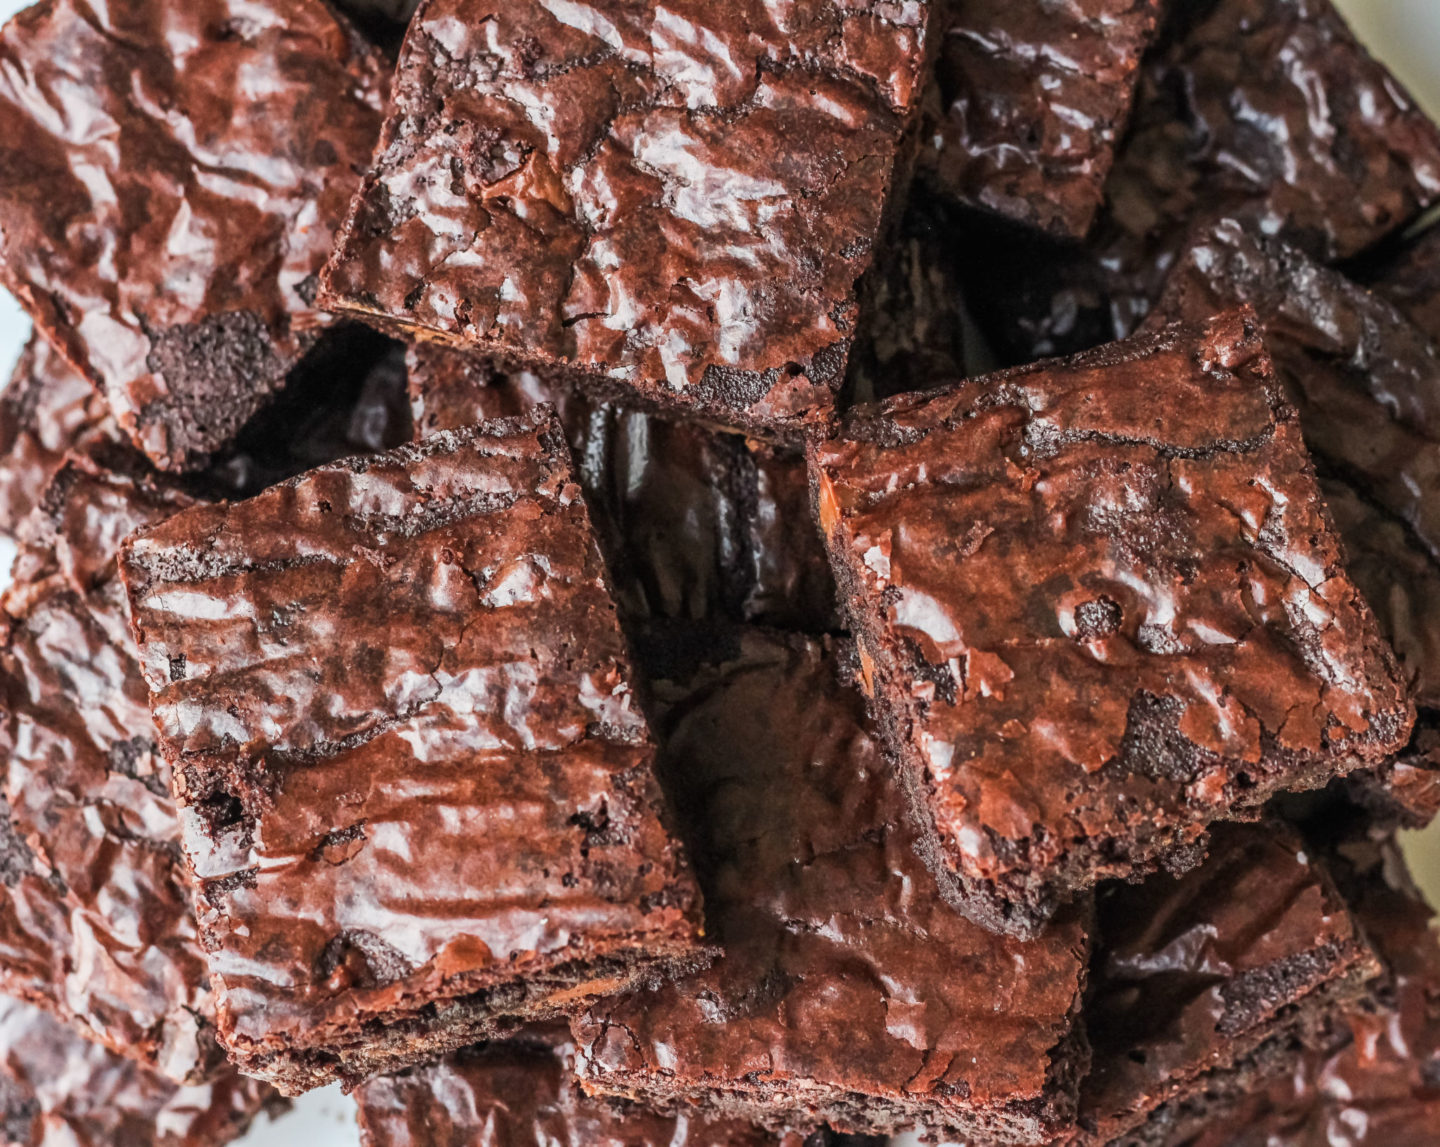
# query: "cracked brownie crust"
416, 792
848, 993
1101, 606
674, 203
167, 231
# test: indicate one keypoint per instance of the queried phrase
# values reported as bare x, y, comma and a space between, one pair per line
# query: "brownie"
1214, 979
1031, 101
96, 920
58, 1089
1101, 606
848, 992
166, 231
1410, 278
695, 523
416, 791
674, 204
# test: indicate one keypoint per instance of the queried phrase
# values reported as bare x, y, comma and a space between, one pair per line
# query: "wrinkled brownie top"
678, 199
167, 229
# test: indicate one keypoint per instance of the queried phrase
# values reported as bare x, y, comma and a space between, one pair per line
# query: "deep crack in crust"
415, 788
639, 230
1165, 476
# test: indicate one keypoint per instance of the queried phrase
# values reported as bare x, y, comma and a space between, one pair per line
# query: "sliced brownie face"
673, 202
1214, 980
166, 233
417, 793
1032, 99
695, 523
522, 1093
848, 991
56, 1088
97, 924
1102, 606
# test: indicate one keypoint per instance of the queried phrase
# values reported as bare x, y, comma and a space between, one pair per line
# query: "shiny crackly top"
694, 522
677, 198
1366, 382
172, 176
1384, 1086
521, 1093
1273, 106
843, 972
58, 1090
1196, 971
96, 921
1112, 593
400, 711
1032, 101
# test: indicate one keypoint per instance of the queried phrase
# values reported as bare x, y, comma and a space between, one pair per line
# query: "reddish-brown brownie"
415, 788
1032, 99
1211, 980
848, 993
96, 920
167, 230
674, 203
1101, 606
58, 1090
695, 522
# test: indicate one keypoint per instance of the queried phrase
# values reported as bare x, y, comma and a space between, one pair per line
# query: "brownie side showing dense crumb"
1032, 100
167, 236
416, 791
56, 1088
848, 992
96, 920
1102, 606
672, 203
694, 522
523, 1093
1196, 973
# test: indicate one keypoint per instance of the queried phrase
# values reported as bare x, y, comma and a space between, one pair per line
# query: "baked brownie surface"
166, 231
1032, 99
848, 993
674, 201
1102, 606
96, 920
522, 1093
1195, 973
416, 790
58, 1090
694, 522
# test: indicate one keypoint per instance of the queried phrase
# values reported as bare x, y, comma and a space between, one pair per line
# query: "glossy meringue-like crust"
399, 707
695, 522
675, 201
1032, 100
96, 920
58, 1090
172, 177
1195, 973
523, 1093
848, 991
1105, 607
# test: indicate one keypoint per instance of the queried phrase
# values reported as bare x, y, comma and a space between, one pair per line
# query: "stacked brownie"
534, 604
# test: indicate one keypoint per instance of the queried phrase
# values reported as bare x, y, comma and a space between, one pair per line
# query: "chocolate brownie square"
695, 523
1032, 99
1214, 980
1101, 607
166, 230
97, 924
672, 203
56, 1088
848, 991
416, 791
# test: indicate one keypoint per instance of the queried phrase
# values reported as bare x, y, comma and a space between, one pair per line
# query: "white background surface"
1405, 33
